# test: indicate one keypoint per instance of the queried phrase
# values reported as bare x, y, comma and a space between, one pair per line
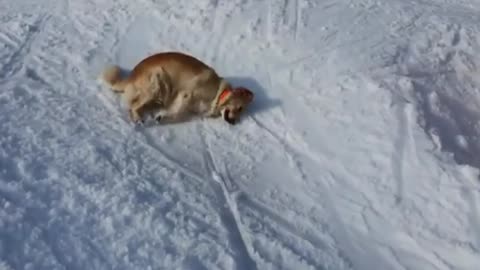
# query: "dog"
177, 86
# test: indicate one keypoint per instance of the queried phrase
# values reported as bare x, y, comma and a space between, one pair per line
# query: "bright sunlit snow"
361, 150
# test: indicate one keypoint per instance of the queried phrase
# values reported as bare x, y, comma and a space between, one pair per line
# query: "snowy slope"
360, 152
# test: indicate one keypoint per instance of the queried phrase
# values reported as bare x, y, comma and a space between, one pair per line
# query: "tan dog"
177, 86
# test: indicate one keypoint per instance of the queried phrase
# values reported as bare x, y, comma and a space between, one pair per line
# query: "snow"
359, 152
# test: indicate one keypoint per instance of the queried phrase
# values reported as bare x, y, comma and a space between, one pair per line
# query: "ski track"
474, 208
404, 142
331, 177
231, 215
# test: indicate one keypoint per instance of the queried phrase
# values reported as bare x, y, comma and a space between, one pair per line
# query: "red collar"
224, 95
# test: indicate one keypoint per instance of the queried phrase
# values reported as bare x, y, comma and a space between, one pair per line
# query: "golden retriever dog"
176, 86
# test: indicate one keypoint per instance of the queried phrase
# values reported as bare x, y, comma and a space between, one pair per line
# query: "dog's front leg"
177, 110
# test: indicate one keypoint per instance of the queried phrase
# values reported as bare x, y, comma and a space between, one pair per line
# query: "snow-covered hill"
360, 151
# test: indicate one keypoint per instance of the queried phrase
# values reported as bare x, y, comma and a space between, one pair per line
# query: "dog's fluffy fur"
176, 86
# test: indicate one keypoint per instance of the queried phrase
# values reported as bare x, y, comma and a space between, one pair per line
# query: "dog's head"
235, 103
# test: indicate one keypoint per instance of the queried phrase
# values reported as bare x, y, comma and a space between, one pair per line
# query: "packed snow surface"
360, 151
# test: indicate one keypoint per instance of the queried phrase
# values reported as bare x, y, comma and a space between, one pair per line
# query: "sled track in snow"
226, 196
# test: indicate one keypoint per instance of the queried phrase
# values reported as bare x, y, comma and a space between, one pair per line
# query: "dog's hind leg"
138, 107
141, 97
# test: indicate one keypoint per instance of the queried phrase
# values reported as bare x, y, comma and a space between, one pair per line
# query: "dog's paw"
139, 122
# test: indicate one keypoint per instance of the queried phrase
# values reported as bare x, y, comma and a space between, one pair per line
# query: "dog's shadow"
261, 101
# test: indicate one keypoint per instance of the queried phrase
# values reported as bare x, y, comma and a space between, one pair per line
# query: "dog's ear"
244, 92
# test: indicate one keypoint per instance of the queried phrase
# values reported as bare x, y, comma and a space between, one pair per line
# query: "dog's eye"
239, 109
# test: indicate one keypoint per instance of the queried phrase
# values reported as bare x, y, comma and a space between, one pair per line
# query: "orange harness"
227, 92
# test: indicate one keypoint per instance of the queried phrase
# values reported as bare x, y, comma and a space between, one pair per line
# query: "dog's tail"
113, 78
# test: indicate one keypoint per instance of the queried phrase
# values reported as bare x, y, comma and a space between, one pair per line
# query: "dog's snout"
227, 117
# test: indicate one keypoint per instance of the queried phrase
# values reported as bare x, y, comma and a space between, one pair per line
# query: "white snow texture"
360, 150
